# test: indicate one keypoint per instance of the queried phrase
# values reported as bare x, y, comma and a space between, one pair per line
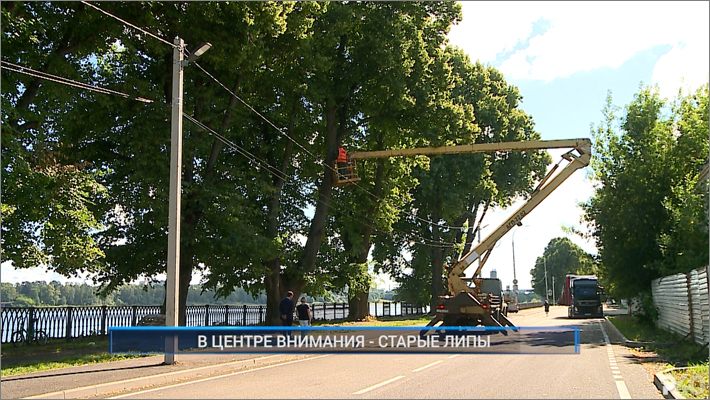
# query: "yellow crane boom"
584, 145
466, 305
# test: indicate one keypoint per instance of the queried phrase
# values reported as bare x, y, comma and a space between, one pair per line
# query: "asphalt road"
600, 370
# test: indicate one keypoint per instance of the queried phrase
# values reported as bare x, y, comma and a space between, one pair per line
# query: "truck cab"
587, 298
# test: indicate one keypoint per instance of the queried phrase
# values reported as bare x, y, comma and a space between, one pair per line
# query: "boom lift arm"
465, 305
483, 249
582, 146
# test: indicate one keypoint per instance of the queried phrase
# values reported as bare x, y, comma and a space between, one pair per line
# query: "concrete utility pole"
544, 259
173, 268
515, 279
172, 299
553, 289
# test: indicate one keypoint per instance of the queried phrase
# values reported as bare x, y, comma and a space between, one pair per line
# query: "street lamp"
173, 267
480, 228
547, 291
515, 279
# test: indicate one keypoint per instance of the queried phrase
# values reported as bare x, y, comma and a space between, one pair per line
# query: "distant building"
5, 304
494, 274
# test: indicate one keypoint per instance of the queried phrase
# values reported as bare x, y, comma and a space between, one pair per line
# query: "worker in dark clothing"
286, 309
547, 307
342, 162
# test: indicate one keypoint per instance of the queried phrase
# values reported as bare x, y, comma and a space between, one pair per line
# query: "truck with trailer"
583, 296
483, 302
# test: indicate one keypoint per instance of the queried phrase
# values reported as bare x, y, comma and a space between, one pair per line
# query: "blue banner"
329, 340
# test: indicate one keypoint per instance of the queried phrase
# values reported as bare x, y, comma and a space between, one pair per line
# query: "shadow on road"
55, 374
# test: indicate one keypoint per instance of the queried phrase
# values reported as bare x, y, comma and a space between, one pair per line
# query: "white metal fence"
683, 305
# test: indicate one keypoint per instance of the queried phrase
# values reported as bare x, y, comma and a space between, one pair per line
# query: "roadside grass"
379, 321
671, 348
26, 368
58, 353
54, 346
693, 383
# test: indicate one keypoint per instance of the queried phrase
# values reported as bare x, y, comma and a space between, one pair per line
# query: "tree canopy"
560, 258
647, 215
85, 175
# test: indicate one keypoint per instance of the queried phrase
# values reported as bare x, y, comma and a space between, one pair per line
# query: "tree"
49, 207
560, 257
643, 217
472, 182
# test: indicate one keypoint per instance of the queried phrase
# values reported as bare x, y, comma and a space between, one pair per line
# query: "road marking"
428, 365
623, 390
373, 387
620, 384
454, 356
213, 378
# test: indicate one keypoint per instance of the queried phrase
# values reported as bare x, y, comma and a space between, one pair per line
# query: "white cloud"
585, 36
489, 28
683, 67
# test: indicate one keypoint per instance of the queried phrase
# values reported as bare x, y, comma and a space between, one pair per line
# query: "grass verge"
693, 383
380, 321
56, 354
679, 352
26, 368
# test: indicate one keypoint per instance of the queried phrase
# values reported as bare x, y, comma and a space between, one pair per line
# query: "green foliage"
39, 293
86, 175
561, 257
480, 108
647, 216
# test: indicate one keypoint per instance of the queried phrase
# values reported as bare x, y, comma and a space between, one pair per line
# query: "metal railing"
81, 321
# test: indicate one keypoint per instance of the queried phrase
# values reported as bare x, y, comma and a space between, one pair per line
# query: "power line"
130, 24
318, 160
277, 172
66, 81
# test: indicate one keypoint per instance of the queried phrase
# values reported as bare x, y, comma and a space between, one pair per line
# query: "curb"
633, 343
624, 340
136, 383
662, 381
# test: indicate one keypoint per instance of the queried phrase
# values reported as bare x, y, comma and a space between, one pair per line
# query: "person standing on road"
547, 307
304, 315
286, 309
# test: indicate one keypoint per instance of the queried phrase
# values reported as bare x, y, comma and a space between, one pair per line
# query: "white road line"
620, 385
373, 387
454, 356
623, 390
214, 377
428, 365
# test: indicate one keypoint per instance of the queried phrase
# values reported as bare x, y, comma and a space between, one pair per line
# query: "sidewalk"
96, 379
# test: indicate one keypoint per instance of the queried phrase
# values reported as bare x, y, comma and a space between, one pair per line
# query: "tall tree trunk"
357, 303
273, 290
272, 281
316, 232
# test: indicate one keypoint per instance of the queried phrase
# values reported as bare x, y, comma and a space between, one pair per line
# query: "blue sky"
564, 57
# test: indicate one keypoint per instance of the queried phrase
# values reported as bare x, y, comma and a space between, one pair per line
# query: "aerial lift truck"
481, 303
